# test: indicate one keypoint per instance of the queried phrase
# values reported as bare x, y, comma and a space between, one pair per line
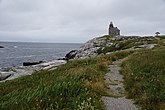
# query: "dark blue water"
14, 54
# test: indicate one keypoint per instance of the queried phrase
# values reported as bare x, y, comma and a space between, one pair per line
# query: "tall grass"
63, 88
144, 74
77, 85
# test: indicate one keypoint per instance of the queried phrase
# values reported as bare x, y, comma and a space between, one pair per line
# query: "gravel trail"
114, 81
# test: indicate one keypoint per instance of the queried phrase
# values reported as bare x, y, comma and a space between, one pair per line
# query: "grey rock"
90, 48
1, 47
5, 75
71, 55
20, 71
30, 63
147, 46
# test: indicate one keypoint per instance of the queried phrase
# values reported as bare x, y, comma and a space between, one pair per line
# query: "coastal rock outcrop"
1, 47
70, 55
90, 48
15, 72
5, 75
32, 63
108, 44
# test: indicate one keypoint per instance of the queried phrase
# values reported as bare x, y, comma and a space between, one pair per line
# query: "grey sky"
77, 20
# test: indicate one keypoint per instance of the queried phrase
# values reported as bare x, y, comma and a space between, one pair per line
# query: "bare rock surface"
108, 44
114, 81
16, 72
147, 46
89, 48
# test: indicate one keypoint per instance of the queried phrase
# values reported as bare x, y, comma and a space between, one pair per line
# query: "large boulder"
71, 55
32, 63
1, 47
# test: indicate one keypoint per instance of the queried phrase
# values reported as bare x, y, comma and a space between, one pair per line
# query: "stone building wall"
113, 30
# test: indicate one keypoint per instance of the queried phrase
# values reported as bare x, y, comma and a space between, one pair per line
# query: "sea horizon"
40, 42
15, 53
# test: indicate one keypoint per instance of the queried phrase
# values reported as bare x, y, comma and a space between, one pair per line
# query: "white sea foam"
15, 46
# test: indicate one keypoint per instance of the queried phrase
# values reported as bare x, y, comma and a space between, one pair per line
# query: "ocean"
15, 53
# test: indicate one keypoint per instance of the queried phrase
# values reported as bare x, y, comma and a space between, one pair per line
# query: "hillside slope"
79, 84
144, 74
107, 44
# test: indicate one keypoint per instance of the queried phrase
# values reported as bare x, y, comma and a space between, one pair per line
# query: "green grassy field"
77, 85
68, 87
145, 78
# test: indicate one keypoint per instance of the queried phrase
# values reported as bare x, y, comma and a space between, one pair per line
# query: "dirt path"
114, 81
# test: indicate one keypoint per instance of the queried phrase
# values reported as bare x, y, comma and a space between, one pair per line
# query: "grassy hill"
145, 78
79, 84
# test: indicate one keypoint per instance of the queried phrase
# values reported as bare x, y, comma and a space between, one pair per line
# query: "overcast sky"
77, 20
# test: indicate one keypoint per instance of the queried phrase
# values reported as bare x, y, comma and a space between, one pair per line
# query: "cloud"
77, 20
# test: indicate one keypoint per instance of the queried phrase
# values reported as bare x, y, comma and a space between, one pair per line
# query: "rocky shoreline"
15, 72
93, 48
30, 68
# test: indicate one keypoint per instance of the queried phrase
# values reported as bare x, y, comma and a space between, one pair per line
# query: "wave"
28, 56
15, 46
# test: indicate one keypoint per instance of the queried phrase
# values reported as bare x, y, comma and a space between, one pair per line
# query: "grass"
77, 85
126, 43
63, 88
107, 36
144, 74
161, 37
